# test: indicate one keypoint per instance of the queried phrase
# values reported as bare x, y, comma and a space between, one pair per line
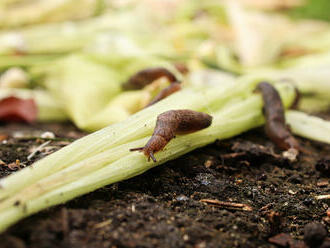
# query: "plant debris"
15, 165
13, 109
322, 197
285, 240
314, 234
38, 149
228, 205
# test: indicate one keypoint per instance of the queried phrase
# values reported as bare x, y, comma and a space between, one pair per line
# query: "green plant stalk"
7, 61
56, 37
72, 173
137, 126
313, 104
119, 109
309, 73
78, 77
307, 126
46, 11
65, 37
308, 80
83, 86
127, 167
228, 122
83, 168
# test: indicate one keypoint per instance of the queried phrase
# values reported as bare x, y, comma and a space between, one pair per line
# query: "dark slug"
144, 77
275, 126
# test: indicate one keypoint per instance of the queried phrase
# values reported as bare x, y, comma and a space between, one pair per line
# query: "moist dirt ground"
187, 202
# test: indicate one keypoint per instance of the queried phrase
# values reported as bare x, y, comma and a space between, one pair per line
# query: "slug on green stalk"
171, 123
276, 129
144, 77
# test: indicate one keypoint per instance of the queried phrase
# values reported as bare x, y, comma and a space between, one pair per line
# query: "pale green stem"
314, 104
7, 61
137, 126
72, 173
228, 122
127, 167
307, 126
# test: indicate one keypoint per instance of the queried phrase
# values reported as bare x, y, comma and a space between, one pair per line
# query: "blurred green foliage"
314, 9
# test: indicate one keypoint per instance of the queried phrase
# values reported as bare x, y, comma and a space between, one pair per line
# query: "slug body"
144, 77
276, 129
171, 123
172, 88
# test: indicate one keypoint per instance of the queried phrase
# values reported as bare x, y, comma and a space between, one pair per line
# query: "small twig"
233, 155
266, 207
229, 205
103, 224
2, 163
45, 139
38, 149
65, 221
322, 197
16, 165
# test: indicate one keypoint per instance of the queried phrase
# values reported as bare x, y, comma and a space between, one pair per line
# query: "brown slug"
171, 123
144, 77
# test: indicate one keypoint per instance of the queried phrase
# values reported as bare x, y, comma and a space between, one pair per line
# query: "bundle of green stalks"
79, 66
103, 157
15, 13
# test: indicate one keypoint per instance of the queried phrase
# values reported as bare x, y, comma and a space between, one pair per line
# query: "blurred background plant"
72, 61
69, 62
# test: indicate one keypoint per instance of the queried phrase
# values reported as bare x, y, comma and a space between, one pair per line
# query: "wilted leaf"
16, 110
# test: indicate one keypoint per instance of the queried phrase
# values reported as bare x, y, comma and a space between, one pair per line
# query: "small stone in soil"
323, 166
326, 243
314, 234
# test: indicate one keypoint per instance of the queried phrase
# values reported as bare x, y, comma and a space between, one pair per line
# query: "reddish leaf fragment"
285, 240
13, 109
282, 239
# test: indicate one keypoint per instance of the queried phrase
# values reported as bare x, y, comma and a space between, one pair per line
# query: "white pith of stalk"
307, 126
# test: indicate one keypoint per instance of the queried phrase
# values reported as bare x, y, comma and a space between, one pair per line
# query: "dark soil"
162, 208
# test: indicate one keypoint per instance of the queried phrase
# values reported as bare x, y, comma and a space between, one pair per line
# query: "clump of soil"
163, 207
